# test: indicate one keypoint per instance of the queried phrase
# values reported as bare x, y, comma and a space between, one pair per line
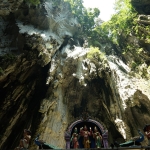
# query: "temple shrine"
86, 133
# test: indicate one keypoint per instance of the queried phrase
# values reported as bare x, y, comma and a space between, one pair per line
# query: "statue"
147, 133
135, 141
43, 145
98, 138
74, 139
24, 143
85, 133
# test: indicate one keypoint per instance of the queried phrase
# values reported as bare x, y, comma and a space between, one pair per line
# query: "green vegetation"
122, 22
124, 31
85, 16
95, 54
129, 34
34, 2
134, 65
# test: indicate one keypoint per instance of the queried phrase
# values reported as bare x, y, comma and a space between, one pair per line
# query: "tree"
95, 54
122, 21
85, 16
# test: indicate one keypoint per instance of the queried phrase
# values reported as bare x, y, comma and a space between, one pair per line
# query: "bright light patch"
106, 7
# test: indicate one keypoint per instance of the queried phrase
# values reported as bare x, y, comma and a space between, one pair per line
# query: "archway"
89, 123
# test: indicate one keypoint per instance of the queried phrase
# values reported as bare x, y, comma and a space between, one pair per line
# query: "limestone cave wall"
47, 81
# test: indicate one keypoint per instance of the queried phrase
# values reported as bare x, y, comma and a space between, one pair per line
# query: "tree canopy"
122, 31
121, 22
85, 16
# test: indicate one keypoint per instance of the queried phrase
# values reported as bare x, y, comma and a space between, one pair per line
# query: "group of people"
86, 137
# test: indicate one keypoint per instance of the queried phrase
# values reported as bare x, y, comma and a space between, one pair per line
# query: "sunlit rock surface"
75, 82
47, 81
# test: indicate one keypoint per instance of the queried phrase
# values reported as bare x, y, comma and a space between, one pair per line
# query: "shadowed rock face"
9, 6
142, 6
19, 101
26, 52
47, 81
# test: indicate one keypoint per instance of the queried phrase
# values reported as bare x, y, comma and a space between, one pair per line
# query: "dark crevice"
31, 117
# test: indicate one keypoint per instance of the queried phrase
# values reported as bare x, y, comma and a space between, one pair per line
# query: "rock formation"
142, 6
47, 79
